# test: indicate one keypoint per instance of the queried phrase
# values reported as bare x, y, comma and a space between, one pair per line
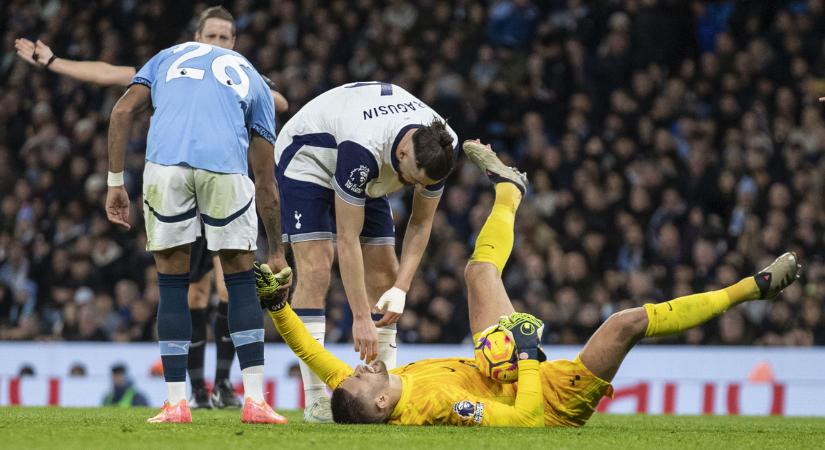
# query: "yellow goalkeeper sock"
744, 290
495, 240
684, 313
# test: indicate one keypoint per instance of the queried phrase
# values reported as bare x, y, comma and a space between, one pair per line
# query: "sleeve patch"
354, 168
469, 410
357, 179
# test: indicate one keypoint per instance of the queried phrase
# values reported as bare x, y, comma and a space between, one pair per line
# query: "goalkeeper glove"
267, 285
526, 331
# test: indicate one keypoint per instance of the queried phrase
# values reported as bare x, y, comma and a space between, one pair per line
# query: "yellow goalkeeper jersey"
452, 391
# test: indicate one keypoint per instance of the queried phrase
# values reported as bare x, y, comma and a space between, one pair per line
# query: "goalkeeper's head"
367, 396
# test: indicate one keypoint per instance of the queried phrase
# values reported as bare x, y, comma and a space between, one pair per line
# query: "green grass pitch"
110, 428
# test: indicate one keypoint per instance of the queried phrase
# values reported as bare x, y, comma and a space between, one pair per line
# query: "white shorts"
177, 198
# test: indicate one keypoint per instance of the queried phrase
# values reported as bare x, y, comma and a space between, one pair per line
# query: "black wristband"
51, 60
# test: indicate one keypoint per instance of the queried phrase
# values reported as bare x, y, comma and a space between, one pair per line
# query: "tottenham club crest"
469, 410
357, 179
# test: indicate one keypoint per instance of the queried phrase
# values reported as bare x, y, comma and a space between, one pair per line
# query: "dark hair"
434, 150
215, 12
347, 408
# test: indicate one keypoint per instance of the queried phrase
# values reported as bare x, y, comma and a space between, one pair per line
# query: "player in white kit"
337, 159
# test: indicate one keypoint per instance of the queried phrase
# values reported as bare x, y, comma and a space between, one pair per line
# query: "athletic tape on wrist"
115, 179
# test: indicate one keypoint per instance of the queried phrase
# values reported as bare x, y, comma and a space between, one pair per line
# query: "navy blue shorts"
308, 214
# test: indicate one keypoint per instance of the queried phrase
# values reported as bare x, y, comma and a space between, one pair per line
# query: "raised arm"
96, 72
329, 369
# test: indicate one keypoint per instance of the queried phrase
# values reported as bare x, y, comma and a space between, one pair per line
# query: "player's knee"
474, 270
234, 261
629, 324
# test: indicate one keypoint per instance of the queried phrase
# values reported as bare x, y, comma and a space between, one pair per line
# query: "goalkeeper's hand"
269, 285
526, 331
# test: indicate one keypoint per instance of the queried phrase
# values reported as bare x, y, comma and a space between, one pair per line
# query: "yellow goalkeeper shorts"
571, 392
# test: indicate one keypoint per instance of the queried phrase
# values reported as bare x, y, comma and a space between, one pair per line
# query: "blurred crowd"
673, 147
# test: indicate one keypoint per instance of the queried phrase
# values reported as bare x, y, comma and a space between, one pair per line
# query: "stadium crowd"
672, 146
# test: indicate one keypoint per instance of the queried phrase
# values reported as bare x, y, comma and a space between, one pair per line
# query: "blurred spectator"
77, 370
672, 147
26, 370
123, 394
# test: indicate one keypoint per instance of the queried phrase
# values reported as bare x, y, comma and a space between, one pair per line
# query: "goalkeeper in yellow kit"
453, 391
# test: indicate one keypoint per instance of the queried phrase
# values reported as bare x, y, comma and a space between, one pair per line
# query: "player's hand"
277, 262
25, 50
391, 304
33, 53
117, 206
526, 330
365, 336
43, 53
269, 285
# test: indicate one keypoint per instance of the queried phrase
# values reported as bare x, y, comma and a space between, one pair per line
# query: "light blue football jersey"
207, 100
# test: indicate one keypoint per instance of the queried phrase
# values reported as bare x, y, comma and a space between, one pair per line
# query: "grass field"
68, 428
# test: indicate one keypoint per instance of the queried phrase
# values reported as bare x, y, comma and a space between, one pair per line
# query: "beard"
381, 369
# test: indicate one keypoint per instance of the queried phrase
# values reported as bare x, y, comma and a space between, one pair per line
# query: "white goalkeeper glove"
391, 304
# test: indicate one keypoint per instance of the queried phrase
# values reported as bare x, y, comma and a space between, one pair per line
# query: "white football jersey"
345, 139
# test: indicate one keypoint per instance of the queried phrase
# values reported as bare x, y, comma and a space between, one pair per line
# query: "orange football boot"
254, 412
173, 413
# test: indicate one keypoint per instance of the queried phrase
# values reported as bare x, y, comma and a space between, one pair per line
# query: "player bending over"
338, 158
213, 118
453, 391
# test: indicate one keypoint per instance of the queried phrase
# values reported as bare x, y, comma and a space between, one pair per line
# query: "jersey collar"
406, 388
398, 137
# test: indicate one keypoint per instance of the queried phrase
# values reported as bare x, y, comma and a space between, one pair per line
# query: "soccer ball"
496, 355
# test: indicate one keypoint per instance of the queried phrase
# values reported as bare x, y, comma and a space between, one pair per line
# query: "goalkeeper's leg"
607, 348
486, 297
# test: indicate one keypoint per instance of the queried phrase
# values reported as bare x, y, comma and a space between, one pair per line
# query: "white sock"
175, 392
314, 388
387, 348
253, 383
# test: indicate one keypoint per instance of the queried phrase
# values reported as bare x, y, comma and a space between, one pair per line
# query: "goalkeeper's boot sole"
254, 412
781, 273
320, 411
173, 413
497, 171
223, 395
